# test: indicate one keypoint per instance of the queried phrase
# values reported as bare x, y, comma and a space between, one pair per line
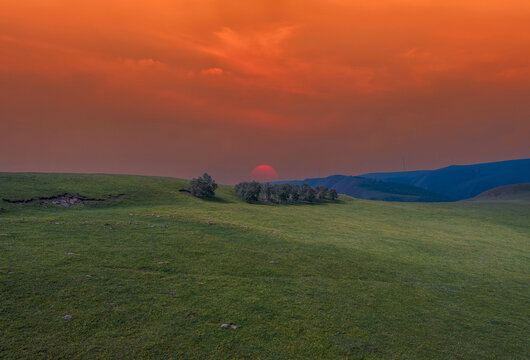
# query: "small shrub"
203, 186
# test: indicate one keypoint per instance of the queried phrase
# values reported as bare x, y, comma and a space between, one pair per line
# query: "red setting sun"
264, 173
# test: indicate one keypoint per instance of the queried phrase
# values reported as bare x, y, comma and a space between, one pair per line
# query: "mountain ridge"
451, 183
462, 181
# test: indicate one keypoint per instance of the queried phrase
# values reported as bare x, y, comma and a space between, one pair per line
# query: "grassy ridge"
354, 279
511, 193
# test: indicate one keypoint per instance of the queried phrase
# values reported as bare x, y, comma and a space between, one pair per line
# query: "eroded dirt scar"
65, 200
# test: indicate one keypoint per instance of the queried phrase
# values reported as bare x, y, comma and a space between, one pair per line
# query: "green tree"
248, 191
307, 193
283, 191
321, 192
203, 186
267, 191
332, 194
294, 193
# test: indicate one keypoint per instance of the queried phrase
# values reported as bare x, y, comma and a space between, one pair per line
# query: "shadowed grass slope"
515, 192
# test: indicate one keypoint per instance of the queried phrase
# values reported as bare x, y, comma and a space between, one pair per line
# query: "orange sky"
169, 87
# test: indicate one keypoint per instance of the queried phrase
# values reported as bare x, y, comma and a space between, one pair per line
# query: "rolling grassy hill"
369, 189
136, 269
516, 192
462, 181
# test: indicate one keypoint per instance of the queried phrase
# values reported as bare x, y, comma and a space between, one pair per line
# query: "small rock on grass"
69, 253
67, 317
272, 262
10, 272
232, 326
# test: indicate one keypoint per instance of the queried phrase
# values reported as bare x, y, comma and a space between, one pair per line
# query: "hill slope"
462, 181
155, 273
134, 189
516, 192
369, 189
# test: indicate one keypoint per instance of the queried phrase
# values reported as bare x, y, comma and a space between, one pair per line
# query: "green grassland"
154, 273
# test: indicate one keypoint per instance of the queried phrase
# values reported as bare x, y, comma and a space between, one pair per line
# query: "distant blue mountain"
462, 181
451, 183
364, 188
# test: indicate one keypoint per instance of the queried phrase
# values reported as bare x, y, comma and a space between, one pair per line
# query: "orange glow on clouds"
179, 87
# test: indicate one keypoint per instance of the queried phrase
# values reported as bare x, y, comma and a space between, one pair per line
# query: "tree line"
252, 192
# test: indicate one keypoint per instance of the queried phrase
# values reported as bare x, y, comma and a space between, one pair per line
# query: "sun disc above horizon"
264, 173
